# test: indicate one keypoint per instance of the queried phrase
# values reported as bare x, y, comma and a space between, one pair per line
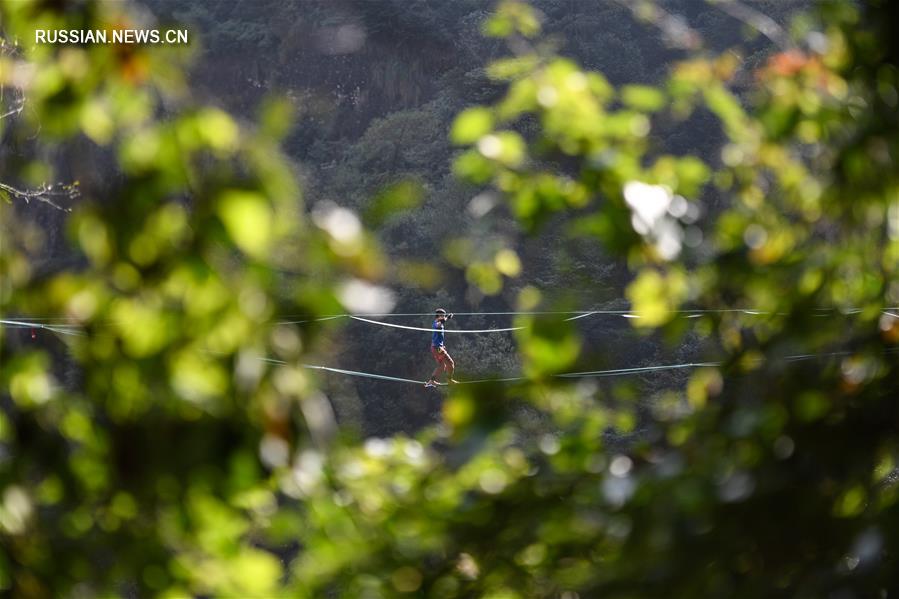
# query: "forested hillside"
376, 86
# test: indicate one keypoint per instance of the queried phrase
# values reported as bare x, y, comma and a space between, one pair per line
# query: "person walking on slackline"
438, 350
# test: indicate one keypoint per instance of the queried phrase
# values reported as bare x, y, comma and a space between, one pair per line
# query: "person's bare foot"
454, 382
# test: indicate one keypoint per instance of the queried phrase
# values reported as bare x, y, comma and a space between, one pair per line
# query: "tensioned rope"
62, 329
360, 316
638, 369
687, 313
581, 315
591, 374
578, 314
71, 329
571, 375
408, 328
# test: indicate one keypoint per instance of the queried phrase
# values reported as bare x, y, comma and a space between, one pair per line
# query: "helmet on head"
440, 312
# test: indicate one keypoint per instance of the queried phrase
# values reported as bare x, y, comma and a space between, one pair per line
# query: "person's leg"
450, 366
437, 357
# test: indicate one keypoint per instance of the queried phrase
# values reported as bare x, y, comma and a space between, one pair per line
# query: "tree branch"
18, 103
46, 193
674, 28
755, 19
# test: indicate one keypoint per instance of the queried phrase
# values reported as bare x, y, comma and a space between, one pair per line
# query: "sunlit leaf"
642, 97
247, 218
471, 125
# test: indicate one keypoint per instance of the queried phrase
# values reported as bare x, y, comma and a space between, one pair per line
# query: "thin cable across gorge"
61, 326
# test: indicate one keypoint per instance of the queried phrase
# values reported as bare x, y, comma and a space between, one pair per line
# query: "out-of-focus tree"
158, 466
12, 103
768, 473
182, 463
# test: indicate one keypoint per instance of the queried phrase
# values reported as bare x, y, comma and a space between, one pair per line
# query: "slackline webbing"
408, 328
61, 329
569, 375
45, 322
578, 314
638, 369
592, 374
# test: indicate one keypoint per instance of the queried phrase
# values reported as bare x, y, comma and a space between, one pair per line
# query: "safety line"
597, 374
800, 357
46, 319
586, 314
21, 322
497, 380
583, 313
578, 314
591, 374
623, 314
59, 327
687, 313
408, 328
370, 375
570, 375
322, 319
36, 325
614, 371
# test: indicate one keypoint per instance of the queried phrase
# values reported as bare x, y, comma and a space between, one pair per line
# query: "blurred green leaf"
248, 220
471, 125
512, 16
395, 199
654, 296
276, 117
642, 97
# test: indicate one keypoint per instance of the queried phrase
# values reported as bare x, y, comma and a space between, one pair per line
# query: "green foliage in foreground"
181, 464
